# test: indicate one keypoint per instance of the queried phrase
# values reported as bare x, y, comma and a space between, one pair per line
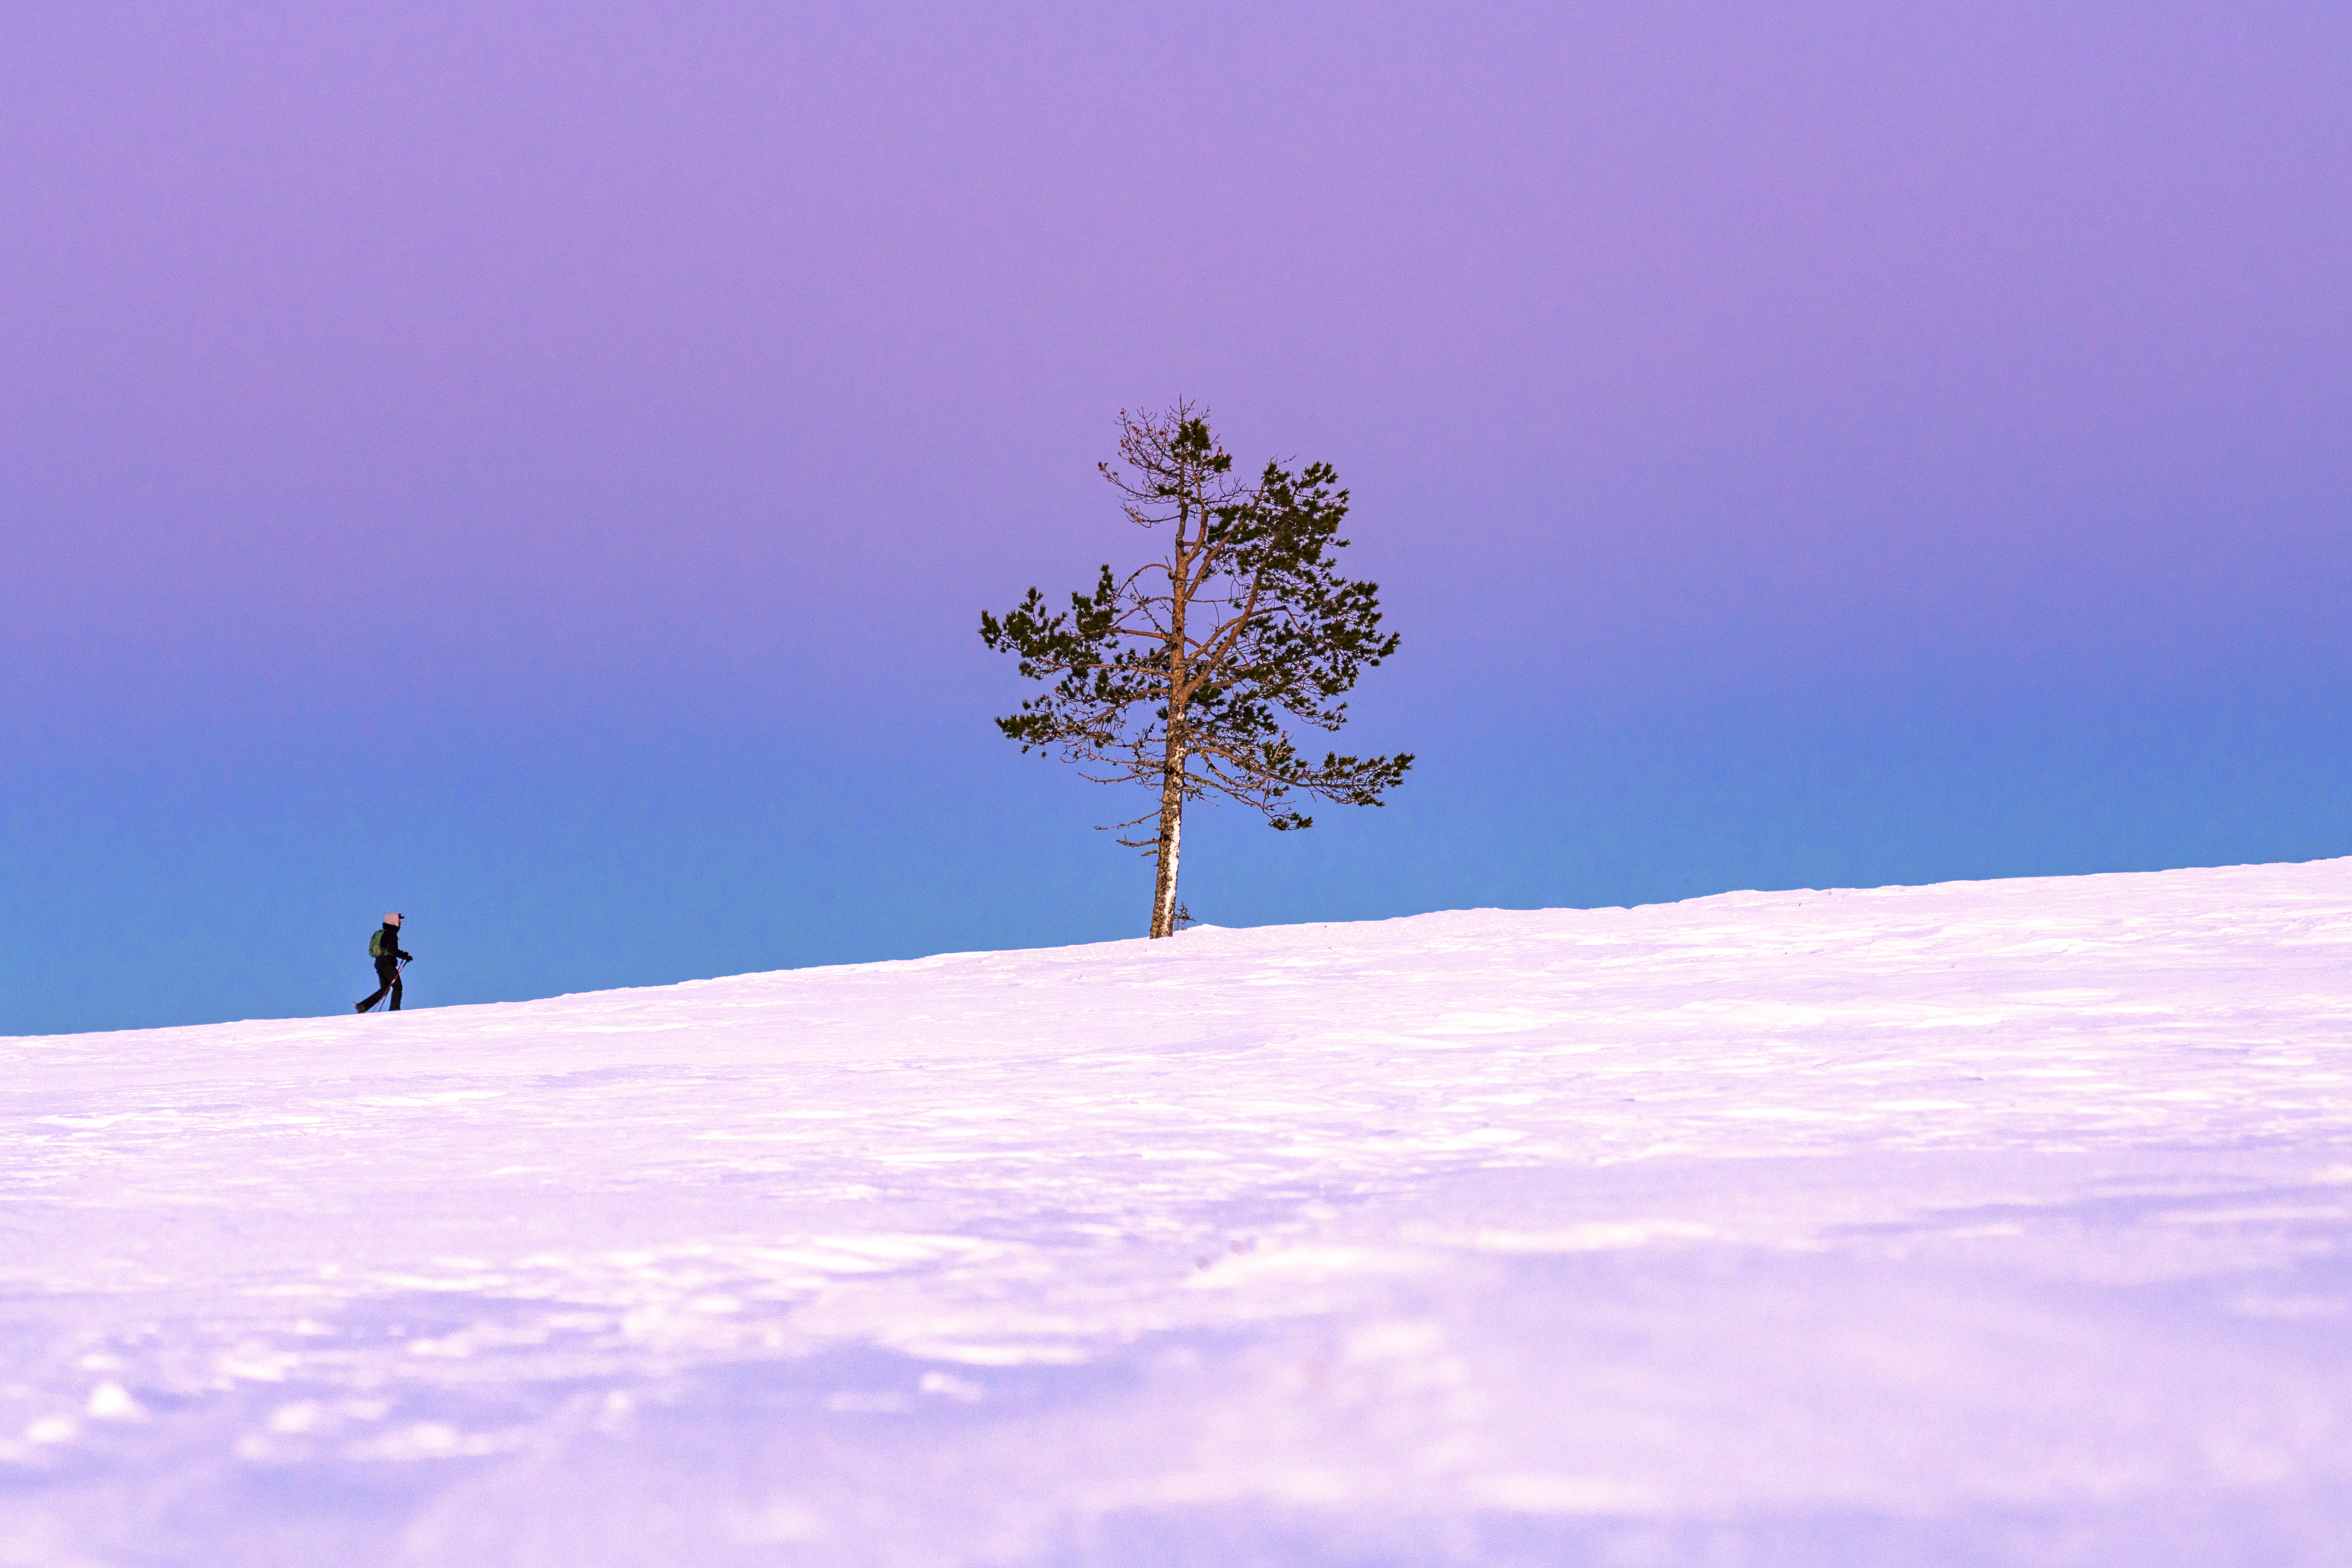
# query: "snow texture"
1990, 1223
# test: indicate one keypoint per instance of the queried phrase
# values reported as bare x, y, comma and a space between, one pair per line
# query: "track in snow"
1989, 1222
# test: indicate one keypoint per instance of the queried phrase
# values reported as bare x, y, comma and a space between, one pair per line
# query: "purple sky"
495, 398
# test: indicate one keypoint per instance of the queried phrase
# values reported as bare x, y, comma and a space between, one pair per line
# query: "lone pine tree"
1180, 675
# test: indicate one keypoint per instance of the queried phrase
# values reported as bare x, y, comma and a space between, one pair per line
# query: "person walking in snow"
385, 948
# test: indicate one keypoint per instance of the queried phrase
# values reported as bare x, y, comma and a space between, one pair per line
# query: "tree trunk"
1172, 760
1171, 833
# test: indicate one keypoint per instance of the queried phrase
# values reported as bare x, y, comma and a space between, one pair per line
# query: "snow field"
1988, 1223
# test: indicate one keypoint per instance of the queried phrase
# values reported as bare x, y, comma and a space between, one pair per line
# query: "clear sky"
542, 472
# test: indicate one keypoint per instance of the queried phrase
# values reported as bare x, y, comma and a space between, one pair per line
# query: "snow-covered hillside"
1990, 1223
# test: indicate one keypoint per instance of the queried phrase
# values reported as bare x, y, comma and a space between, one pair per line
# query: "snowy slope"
1989, 1222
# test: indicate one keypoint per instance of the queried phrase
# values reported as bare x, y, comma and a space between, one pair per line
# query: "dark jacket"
391, 944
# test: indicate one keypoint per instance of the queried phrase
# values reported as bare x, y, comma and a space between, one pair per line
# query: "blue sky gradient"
543, 473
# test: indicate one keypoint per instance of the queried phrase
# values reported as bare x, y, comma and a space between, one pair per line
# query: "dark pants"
388, 974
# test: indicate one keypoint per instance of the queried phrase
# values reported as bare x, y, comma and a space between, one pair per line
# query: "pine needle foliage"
1186, 674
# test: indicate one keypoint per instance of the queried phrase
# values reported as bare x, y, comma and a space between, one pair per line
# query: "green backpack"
375, 945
